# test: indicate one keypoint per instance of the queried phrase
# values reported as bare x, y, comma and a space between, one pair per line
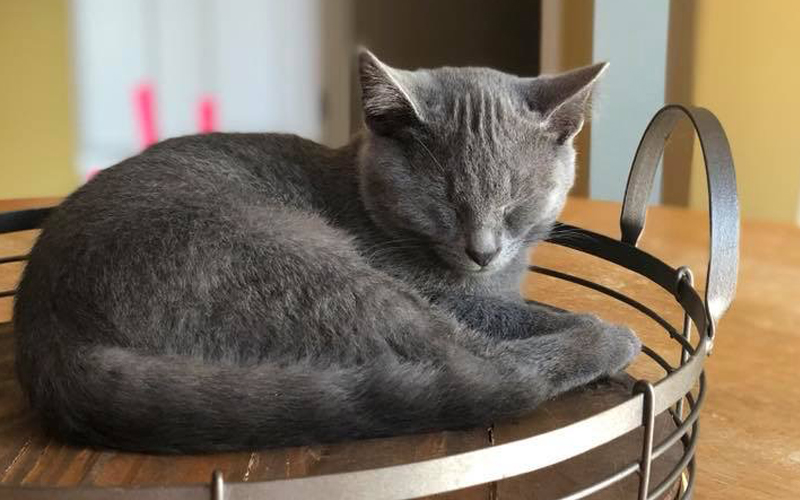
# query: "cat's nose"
482, 246
482, 258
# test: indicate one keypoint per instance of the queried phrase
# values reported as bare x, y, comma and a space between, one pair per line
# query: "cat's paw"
611, 346
591, 349
622, 345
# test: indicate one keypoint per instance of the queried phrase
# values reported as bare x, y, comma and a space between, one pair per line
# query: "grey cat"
237, 291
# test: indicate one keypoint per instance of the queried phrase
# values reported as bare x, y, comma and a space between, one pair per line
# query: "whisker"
567, 235
419, 141
389, 244
381, 250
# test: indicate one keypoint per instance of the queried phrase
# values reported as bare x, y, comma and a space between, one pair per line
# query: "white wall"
261, 59
632, 35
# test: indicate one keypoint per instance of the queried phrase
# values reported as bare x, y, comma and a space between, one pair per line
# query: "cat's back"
222, 163
266, 155
194, 176
121, 248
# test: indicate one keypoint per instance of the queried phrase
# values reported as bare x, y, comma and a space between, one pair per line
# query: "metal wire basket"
680, 392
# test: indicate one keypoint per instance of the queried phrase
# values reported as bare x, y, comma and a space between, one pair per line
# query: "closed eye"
516, 216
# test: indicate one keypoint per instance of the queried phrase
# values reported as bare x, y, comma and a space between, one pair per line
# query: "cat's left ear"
564, 100
386, 95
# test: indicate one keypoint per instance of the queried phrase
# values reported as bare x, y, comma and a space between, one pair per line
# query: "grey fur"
235, 291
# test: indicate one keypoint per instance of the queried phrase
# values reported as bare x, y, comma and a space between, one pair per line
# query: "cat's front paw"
622, 345
611, 346
591, 349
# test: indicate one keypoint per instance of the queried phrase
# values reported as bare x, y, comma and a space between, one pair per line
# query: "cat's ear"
564, 100
385, 95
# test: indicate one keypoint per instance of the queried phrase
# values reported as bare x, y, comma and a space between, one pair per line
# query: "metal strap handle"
723, 203
21, 220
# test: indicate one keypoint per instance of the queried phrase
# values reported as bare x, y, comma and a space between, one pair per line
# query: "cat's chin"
484, 271
466, 267
471, 269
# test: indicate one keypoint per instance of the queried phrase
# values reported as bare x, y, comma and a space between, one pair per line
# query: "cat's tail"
120, 398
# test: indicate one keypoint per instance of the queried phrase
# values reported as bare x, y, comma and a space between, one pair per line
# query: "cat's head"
471, 161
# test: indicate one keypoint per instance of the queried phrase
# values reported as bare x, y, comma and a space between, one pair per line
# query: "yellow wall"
566, 43
747, 71
37, 135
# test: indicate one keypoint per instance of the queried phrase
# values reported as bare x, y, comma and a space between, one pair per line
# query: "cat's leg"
347, 310
514, 319
308, 293
557, 350
582, 348
354, 311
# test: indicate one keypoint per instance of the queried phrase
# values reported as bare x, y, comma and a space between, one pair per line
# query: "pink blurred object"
92, 172
144, 99
207, 115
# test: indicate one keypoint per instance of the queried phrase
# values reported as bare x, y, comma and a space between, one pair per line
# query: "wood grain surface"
749, 445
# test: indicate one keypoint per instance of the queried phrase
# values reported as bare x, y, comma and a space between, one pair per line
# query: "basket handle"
21, 220
723, 203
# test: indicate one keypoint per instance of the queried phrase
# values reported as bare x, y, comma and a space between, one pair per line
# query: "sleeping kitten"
235, 291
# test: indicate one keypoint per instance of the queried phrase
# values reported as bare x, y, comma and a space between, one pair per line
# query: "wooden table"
749, 442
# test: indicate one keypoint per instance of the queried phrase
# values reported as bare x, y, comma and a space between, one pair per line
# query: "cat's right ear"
564, 100
385, 95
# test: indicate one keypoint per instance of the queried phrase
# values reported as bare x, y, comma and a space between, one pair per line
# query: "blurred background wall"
252, 64
745, 66
37, 116
74, 70
423, 34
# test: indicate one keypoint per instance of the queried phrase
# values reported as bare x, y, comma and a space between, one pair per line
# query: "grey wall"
632, 35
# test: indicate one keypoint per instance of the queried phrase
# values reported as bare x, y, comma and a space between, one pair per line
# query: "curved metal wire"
723, 202
683, 426
660, 449
22, 220
658, 359
13, 258
678, 469
673, 333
